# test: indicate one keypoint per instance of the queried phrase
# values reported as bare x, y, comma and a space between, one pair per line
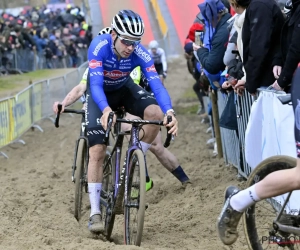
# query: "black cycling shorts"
131, 96
159, 69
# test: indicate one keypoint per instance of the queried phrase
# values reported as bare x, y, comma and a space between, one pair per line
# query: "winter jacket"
290, 45
212, 60
261, 43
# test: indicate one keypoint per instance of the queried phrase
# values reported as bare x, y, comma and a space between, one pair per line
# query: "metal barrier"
28, 60
230, 140
21, 112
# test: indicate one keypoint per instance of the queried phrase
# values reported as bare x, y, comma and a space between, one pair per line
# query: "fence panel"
4, 123
20, 113
230, 140
36, 101
71, 80
243, 109
57, 89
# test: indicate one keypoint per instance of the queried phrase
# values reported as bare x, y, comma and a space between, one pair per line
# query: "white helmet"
128, 23
153, 45
106, 30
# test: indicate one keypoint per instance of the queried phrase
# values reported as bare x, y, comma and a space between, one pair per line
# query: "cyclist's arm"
74, 94
95, 58
160, 92
164, 61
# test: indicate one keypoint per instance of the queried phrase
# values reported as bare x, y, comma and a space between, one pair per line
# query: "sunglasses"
128, 42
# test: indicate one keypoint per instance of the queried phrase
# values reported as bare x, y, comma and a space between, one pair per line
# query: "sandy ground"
37, 195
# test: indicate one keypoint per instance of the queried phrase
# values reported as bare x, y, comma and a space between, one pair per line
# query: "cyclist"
159, 58
111, 58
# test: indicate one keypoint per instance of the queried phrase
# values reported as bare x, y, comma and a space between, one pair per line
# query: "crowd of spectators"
43, 38
244, 45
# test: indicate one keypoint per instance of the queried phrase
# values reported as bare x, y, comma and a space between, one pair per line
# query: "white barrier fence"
19, 113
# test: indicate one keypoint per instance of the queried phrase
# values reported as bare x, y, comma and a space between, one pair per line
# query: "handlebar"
110, 121
74, 111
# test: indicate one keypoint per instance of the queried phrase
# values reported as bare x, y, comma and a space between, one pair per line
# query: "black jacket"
261, 43
290, 43
212, 60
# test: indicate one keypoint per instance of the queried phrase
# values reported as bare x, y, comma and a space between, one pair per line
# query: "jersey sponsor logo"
97, 73
107, 65
153, 78
124, 61
151, 69
99, 46
95, 64
125, 67
142, 54
115, 74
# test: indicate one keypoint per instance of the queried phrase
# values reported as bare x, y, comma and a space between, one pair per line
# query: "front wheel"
106, 201
80, 178
135, 199
258, 219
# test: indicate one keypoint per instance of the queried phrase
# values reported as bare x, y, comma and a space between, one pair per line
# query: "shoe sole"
217, 224
97, 230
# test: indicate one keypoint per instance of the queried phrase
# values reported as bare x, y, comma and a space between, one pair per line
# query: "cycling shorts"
131, 96
159, 69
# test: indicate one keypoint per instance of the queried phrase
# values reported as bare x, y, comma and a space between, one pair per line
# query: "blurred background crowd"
40, 37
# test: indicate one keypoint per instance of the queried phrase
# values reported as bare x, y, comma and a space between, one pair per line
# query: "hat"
210, 9
188, 48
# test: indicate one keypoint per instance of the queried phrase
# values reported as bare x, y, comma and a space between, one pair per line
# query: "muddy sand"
37, 195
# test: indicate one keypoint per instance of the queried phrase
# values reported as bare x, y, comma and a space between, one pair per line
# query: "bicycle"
116, 184
119, 192
284, 230
80, 162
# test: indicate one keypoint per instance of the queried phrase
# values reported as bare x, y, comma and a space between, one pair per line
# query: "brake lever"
169, 136
59, 107
109, 124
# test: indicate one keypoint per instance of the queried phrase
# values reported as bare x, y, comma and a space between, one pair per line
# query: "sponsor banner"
20, 114
4, 123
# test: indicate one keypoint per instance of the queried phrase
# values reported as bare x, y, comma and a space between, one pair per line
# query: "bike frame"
134, 144
118, 179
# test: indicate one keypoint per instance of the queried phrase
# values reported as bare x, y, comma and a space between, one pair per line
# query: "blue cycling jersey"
107, 73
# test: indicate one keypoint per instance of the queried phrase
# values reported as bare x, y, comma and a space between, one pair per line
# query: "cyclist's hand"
55, 108
104, 118
173, 125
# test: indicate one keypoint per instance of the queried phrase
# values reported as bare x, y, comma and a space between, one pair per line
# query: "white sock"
94, 194
244, 199
145, 146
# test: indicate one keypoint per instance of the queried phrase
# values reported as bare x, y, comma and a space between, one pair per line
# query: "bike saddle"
285, 99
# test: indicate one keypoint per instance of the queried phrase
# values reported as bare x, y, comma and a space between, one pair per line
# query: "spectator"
261, 44
290, 47
211, 54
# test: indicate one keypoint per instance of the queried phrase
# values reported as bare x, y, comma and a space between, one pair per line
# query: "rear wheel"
135, 199
107, 194
258, 219
80, 177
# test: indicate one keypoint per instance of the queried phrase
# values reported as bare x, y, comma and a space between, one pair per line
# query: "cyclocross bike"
80, 162
270, 224
121, 190
124, 192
